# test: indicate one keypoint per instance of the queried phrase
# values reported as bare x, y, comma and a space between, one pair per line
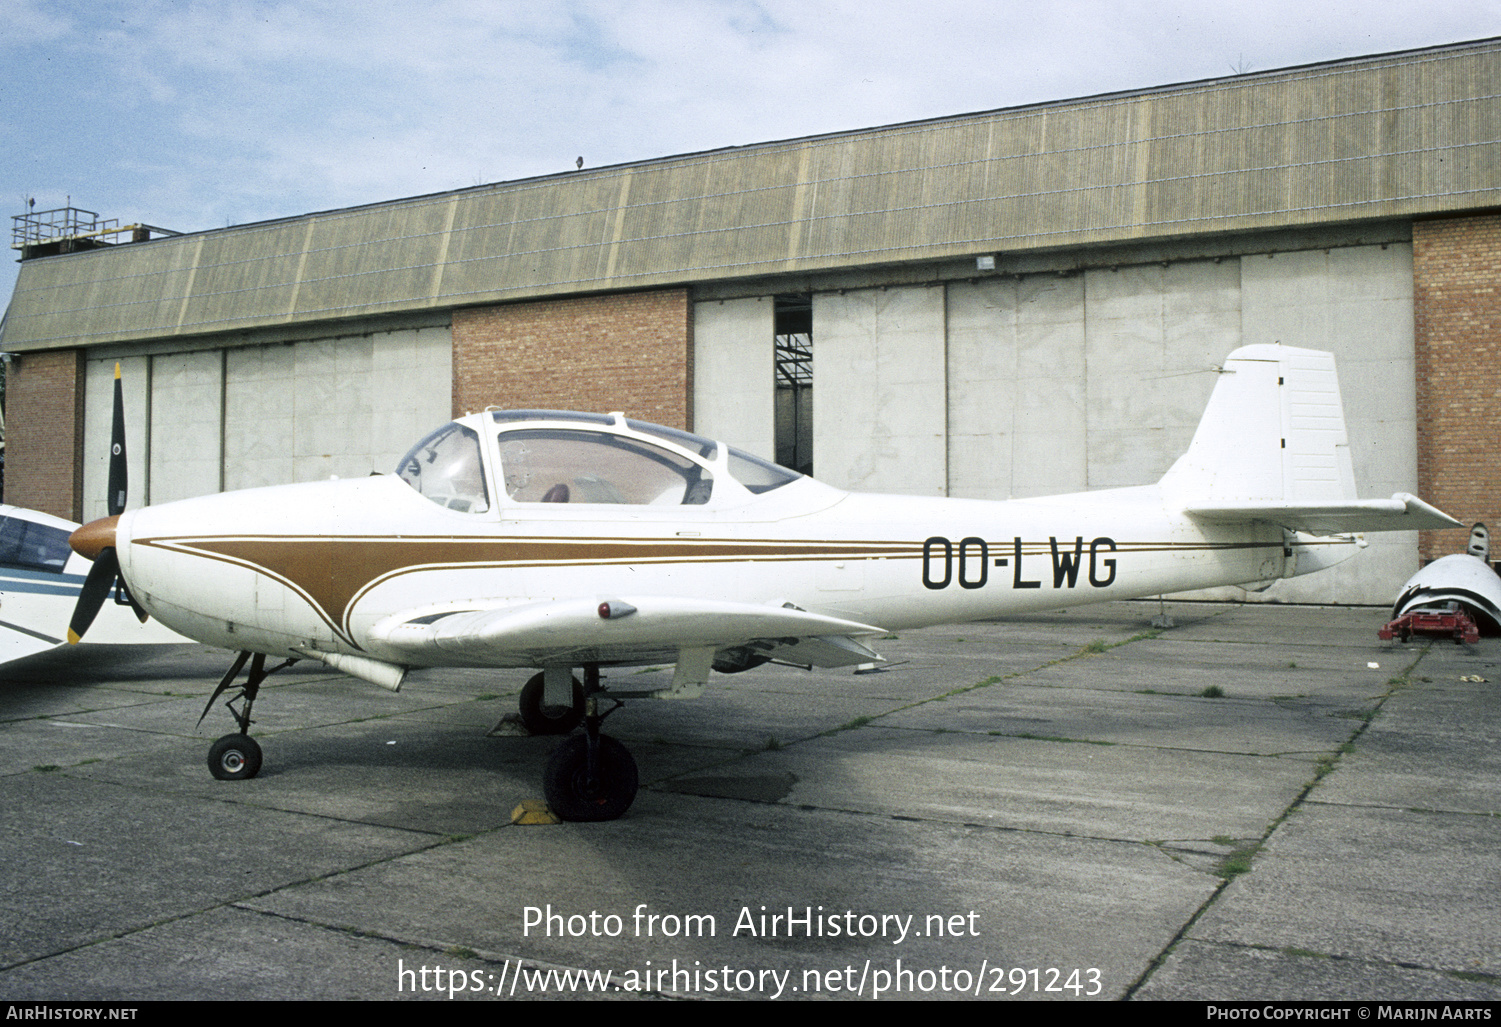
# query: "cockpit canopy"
552, 456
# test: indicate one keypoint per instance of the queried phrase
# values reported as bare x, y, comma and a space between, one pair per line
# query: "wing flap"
1402, 512
658, 628
828, 651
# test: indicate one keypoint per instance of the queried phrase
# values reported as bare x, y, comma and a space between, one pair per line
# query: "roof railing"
67, 229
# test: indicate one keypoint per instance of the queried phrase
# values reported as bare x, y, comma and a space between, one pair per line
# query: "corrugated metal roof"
1393, 136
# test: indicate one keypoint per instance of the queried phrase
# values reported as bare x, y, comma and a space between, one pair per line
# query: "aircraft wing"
631, 629
1402, 512
17, 641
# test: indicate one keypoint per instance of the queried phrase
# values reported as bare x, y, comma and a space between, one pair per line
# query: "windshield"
446, 468
25, 543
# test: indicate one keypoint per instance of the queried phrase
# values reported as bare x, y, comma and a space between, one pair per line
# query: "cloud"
196, 114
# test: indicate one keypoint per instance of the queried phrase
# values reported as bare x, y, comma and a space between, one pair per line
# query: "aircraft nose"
95, 536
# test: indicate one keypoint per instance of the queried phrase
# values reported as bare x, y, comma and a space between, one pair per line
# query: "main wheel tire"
566, 785
549, 720
234, 758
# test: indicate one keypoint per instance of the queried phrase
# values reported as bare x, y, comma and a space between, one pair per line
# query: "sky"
194, 116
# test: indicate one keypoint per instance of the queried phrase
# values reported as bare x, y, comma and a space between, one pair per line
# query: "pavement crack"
1241, 860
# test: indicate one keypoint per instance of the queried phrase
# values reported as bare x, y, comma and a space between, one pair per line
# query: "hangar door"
214, 420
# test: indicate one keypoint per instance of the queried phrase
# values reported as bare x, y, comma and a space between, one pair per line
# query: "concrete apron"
1057, 807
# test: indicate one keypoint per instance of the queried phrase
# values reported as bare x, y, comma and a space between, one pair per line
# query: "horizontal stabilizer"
1402, 512
596, 630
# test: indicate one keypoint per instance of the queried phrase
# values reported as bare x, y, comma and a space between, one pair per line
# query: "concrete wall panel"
879, 390
1356, 302
260, 404
983, 387
332, 375
734, 373
1050, 454
411, 387
1154, 336
1016, 388
345, 406
98, 426
291, 412
187, 392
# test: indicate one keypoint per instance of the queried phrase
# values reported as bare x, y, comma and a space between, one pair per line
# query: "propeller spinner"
96, 540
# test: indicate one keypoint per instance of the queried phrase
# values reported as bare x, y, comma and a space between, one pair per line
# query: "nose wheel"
237, 757
234, 758
577, 791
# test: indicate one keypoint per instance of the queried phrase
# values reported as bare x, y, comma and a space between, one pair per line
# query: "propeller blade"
118, 476
96, 540
95, 591
122, 595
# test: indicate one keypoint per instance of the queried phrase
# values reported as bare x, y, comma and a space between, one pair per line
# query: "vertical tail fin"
1273, 432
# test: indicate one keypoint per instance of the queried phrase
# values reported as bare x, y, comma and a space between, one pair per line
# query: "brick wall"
630, 352
1457, 308
44, 432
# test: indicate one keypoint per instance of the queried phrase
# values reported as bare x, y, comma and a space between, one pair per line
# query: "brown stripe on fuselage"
331, 572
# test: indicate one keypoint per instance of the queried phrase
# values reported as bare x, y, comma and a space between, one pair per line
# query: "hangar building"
1003, 304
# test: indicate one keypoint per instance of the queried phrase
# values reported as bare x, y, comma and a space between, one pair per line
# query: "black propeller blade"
118, 475
106, 570
95, 590
124, 596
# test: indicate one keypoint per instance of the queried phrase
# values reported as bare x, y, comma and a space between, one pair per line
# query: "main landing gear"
589, 776
540, 719
237, 757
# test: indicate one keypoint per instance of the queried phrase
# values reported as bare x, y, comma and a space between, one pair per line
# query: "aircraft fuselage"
319, 565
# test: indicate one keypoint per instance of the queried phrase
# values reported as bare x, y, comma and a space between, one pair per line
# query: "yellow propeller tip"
72, 638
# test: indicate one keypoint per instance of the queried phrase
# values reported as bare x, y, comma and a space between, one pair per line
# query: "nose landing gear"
237, 757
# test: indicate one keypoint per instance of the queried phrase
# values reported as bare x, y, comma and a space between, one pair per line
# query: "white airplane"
569, 541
